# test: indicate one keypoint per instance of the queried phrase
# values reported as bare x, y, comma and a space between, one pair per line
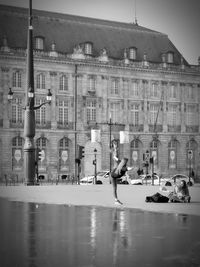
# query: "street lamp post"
110, 146
29, 109
95, 166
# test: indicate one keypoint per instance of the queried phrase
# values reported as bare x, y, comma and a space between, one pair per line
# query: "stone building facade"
114, 77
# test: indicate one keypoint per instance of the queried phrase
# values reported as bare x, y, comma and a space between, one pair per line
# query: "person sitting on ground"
180, 193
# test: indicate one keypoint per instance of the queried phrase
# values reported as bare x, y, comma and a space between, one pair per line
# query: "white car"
146, 180
175, 179
102, 178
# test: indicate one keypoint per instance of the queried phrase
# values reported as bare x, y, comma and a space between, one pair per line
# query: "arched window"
191, 148
154, 153
17, 79
135, 155
17, 153
64, 152
172, 154
41, 143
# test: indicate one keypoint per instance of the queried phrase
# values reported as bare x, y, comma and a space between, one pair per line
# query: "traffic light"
151, 160
94, 162
81, 152
39, 154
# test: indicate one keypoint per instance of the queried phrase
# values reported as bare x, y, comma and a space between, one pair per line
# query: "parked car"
102, 178
137, 181
176, 179
146, 179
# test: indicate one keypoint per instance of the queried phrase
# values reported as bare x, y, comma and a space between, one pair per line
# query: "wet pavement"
37, 235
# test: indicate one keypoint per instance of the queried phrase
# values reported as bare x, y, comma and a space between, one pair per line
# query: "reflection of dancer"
117, 173
121, 239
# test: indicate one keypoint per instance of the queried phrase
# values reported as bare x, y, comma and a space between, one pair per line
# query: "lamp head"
10, 94
49, 95
30, 93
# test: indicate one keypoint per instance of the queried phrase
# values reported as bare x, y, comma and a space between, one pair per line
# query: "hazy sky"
179, 19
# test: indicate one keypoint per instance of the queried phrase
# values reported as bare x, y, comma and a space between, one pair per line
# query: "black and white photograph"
99, 133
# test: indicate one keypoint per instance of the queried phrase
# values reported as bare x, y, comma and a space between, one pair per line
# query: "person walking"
116, 174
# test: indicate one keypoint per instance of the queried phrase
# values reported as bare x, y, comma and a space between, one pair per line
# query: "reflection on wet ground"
37, 235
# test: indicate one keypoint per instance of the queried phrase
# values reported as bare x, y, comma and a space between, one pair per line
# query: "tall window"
91, 110
63, 112
134, 88
40, 81
190, 93
39, 43
191, 115
154, 90
17, 79
172, 91
153, 113
17, 153
115, 110
115, 86
40, 114
16, 111
91, 84
63, 83
135, 114
173, 115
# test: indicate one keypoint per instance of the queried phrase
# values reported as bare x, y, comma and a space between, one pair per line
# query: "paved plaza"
100, 195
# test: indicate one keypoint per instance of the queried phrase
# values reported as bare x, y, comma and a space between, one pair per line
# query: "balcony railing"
17, 124
192, 129
157, 128
65, 125
43, 125
174, 129
136, 128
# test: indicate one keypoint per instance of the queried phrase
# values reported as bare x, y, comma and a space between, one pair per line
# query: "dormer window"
170, 57
88, 48
39, 43
132, 53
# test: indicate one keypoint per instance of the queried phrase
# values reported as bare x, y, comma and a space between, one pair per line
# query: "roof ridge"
82, 19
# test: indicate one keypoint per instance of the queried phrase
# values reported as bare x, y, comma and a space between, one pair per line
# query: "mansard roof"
67, 31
